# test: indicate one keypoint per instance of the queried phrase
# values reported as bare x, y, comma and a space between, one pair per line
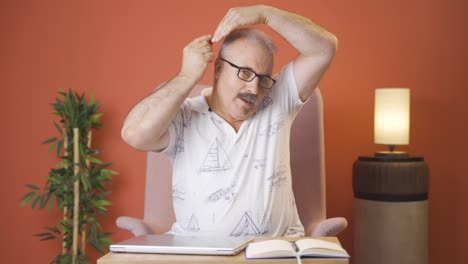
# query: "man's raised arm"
146, 125
316, 45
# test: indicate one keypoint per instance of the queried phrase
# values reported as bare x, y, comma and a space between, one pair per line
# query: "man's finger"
224, 29
218, 28
220, 34
206, 49
202, 39
209, 56
221, 29
201, 42
216, 37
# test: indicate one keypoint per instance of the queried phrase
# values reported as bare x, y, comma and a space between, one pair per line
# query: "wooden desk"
116, 258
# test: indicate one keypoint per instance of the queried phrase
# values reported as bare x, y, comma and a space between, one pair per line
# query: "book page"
310, 245
270, 248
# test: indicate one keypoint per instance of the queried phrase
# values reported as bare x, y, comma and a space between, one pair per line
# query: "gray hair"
249, 33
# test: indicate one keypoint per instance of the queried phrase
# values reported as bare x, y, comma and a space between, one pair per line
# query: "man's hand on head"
240, 16
196, 56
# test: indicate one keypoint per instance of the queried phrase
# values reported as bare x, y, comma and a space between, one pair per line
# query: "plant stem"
83, 228
65, 208
76, 189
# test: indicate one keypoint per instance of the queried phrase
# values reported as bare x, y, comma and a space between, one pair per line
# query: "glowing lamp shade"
391, 116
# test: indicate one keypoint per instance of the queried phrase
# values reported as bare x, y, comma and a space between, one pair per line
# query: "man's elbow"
331, 46
132, 139
334, 42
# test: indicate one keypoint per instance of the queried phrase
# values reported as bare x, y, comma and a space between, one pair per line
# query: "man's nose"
254, 87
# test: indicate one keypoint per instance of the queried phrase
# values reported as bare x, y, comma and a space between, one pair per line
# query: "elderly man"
230, 146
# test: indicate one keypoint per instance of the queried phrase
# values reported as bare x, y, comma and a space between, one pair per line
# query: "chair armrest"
134, 225
330, 227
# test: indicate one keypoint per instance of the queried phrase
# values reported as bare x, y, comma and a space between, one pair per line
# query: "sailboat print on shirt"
192, 224
216, 159
227, 194
246, 227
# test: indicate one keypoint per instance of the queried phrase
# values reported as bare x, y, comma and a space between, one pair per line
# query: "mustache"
248, 97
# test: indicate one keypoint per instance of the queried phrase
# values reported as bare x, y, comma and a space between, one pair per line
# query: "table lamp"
391, 119
391, 190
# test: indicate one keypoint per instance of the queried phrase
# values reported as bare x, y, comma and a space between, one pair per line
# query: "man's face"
238, 99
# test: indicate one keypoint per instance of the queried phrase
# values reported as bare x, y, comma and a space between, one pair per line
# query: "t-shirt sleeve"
285, 91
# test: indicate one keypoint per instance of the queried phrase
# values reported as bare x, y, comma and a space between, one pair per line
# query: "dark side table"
390, 194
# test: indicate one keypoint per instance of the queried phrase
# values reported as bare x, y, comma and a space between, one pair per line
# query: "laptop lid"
170, 244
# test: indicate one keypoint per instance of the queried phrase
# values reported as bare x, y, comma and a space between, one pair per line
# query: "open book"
307, 247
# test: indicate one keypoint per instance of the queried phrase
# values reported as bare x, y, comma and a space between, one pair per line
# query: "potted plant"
77, 184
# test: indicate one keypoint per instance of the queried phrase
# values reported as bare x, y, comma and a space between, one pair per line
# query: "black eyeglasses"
245, 74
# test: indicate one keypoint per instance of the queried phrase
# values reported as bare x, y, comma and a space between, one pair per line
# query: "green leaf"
44, 200
93, 159
48, 238
53, 180
100, 208
50, 140
66, 225
59, 147
59, 129
96, 245
64, 163
111, 172
103, 166
52, 229
36, 200
99, 204
105, 175
34, 187
85, 181
43, 234
95, 118
105, 202
27, 198
49, 205
52, 148
104, 194
106, 241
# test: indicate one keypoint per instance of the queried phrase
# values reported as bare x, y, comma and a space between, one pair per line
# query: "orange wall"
119, 51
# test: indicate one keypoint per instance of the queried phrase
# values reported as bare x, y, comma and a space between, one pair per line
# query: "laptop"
170, 244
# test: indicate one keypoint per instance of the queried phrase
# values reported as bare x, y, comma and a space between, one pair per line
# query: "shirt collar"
199, 103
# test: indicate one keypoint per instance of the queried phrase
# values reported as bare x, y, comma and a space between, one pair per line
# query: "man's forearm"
145, 127
304, 35
149, 119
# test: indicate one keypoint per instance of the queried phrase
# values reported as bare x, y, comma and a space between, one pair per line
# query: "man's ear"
217, 68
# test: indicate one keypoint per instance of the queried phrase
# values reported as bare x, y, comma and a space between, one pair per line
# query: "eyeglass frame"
256, 75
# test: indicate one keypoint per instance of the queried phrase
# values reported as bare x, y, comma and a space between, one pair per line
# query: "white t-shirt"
235, 184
